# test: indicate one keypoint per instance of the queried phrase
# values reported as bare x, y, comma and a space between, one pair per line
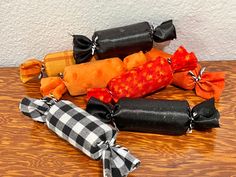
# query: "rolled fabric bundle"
53, 64
169, 117
147, 78
84, 131
205, 84
121, 41
78, 78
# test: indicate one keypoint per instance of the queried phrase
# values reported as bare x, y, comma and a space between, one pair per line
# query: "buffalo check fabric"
84, 131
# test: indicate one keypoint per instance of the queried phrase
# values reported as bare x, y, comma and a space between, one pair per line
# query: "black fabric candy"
156, 116
121, 41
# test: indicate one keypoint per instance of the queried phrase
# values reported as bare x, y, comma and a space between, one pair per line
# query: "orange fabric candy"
54, 64
206, 84
154, 53
30, 69
52, 86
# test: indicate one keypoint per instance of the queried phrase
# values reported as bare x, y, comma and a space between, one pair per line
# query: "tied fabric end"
30, 69
166, 31
100, 110
37, 109
205, 115
117, 160
206, 84
83, 48
181, 60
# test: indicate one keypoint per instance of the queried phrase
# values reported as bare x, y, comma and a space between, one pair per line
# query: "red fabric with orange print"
147, 78
206, 84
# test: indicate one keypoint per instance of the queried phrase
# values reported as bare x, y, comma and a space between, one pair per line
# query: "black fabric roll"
121, 41
169, 117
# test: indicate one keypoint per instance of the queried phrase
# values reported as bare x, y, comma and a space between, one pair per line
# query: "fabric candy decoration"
205, 84
170, 117
121, 41
78, 78
84, 131
147, 78
52, 86
53, 64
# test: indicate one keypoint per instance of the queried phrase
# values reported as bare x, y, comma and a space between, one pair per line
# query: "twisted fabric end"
117, 160
83, 48
37, 109
166, 31
205, 115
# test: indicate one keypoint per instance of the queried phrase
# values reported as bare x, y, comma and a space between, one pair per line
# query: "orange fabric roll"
55, 63
30, 69
52, 86
134, 60
80, 77
155, 53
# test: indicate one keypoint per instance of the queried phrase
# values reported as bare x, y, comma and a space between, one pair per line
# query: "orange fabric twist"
206, 84
30, 69
145, 79
52, 86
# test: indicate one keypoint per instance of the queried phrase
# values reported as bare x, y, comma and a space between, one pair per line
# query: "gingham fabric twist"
84, 131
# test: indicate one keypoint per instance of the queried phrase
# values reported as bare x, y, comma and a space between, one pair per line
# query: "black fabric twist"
166, 31
156, 116
82, 48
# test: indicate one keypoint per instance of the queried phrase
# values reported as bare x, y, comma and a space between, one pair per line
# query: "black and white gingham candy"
84, 131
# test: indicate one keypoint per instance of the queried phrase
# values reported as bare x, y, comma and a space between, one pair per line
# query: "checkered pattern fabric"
84, 131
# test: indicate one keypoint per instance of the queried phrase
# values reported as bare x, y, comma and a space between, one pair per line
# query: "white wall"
34, 28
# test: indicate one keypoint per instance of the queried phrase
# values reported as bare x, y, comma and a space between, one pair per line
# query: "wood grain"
28, 148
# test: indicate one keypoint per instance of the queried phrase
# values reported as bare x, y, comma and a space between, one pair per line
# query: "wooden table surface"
29, 148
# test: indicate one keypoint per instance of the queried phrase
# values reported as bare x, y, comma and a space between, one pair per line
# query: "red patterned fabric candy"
142, 80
